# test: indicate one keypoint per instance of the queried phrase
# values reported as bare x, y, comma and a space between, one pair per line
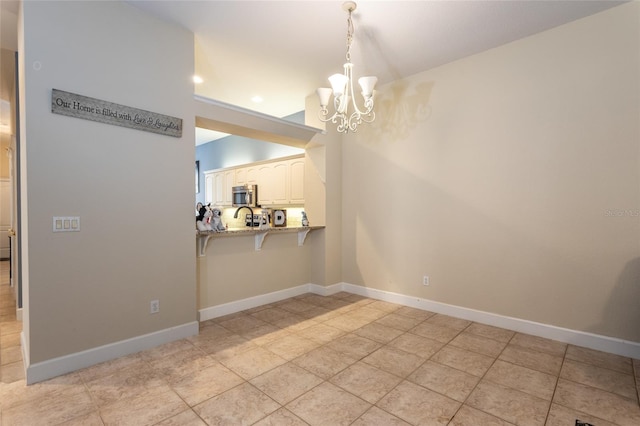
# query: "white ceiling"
283, 50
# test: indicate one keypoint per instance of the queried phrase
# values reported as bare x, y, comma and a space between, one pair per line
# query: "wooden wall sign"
79, 106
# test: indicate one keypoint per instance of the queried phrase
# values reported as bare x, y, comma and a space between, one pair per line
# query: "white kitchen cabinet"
218, 187
296, 181
246, 175
230, 182
280, 182
266, 184
209, 187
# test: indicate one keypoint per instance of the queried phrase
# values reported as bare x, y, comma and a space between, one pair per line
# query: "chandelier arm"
368, 118
322, 115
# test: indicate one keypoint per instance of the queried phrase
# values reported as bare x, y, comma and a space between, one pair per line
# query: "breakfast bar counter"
259, 233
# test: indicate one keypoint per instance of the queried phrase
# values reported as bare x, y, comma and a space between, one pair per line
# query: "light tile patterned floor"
338, 360
11, 367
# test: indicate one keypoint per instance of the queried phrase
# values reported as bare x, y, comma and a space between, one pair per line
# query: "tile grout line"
564, 358
555, 388
325, 344
402, 379
480, 380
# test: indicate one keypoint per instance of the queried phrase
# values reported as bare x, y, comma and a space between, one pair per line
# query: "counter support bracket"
203, 241
302, 235
260, 239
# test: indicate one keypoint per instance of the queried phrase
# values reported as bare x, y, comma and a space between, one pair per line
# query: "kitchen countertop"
260, 234
252, 231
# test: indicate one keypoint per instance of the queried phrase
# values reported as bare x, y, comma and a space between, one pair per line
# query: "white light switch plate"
66, 224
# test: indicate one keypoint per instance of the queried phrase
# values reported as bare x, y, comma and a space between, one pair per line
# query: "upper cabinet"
265, 184
296, 181
219, 183
280, 182
246, 175
209, 187
218, 186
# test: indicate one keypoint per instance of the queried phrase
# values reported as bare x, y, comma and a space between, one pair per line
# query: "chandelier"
342, 90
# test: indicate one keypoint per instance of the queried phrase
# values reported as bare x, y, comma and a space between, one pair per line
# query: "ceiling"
283, 50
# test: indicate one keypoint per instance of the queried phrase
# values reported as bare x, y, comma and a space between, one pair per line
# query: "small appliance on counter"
265, 220
257, 219
279, 218
245, 195
261, 220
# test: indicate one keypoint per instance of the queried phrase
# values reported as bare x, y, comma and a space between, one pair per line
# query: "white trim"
19, 314
325, 291
264, 299
65, 364
579, 338
257, 114
251, 302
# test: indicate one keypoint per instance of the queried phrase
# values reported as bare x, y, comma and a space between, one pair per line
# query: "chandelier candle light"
342, 89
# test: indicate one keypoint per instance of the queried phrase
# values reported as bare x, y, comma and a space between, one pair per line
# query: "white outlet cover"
66, 224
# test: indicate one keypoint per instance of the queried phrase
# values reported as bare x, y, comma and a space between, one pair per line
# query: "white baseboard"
51, 368
65, 364
264, 299
251, 302
579, 338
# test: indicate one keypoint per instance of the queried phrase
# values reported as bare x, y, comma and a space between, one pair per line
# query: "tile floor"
338, 360
11, 367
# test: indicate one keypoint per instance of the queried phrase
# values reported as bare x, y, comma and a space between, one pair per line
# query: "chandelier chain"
349, 36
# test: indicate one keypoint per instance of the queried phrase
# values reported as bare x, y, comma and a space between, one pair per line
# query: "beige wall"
232, 270
323, 202
511, 178
133, 190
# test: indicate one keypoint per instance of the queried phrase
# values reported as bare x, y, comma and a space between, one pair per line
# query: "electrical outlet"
425, 280
154, 307
66, 224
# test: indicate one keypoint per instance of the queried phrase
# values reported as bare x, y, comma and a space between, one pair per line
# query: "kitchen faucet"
235, 215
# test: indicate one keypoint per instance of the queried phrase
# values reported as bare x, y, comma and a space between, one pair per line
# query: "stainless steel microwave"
245, 195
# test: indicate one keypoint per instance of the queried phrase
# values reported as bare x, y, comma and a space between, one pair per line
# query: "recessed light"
257, 99
197, 79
